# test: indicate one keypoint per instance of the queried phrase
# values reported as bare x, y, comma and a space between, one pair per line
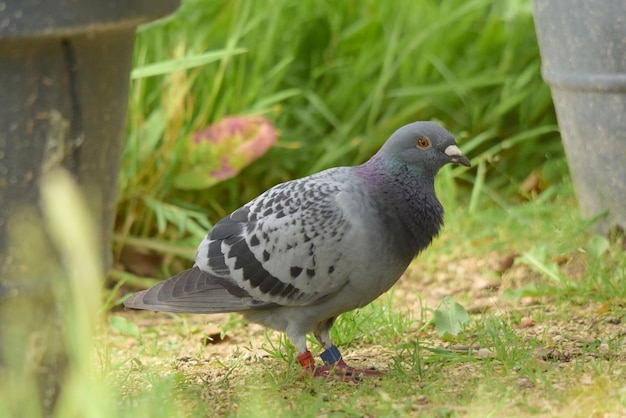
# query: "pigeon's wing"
285, 247
193, 291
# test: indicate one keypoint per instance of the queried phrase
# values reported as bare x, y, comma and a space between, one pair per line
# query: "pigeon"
307, 250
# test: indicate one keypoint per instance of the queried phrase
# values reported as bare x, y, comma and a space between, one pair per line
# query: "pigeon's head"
424, 147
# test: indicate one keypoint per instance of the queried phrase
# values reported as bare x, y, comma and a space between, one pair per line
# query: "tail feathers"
191, 291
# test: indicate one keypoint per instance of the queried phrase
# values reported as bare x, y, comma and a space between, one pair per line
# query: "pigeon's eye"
423, 142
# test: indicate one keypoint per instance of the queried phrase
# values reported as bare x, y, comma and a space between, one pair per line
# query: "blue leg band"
331, 356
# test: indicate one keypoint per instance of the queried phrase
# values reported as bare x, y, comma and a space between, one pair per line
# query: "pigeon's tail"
191, 291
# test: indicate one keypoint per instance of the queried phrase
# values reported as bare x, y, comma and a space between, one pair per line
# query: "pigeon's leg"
334, 366
323, 333
305, 358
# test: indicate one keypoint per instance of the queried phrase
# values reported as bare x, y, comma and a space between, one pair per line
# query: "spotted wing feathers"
283, 247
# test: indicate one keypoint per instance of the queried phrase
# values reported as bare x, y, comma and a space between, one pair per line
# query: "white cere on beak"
453, 151
456, 156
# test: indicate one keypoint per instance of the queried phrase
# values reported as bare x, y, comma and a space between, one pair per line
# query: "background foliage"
335, 78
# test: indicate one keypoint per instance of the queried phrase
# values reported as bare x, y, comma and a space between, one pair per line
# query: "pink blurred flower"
223, 149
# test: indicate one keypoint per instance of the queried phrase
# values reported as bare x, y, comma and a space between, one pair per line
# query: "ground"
530, 356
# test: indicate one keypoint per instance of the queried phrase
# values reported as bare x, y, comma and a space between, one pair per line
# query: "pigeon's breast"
371, 247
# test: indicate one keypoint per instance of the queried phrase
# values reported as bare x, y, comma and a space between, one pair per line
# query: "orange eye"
423, 142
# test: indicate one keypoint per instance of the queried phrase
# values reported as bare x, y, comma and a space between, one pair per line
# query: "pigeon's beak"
456, 156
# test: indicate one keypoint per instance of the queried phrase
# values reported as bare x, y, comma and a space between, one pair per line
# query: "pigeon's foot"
337, 369
341, 371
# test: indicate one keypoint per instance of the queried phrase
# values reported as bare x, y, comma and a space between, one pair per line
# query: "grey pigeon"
310, 249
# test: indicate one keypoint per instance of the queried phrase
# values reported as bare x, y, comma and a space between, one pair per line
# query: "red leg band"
306, 360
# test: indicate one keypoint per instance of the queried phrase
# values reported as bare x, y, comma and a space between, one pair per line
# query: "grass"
545, 296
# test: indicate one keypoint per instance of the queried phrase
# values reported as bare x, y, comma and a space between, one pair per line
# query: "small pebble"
485, 353
526, 322
603, 348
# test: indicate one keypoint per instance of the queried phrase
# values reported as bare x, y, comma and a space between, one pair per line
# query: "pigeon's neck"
407, 201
